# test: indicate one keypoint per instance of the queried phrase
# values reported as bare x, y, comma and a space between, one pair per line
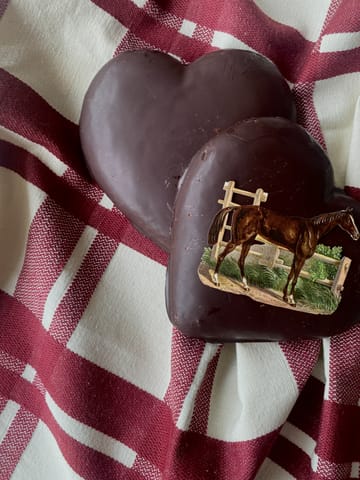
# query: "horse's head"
348, 224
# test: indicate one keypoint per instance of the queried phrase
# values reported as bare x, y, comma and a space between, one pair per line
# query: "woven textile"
94, 381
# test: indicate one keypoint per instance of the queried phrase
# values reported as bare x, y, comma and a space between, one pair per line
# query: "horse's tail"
217, 224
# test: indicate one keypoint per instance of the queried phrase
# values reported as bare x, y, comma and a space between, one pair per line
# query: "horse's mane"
328, 217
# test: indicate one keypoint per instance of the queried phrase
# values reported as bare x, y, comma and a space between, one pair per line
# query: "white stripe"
355, 470
340, 42
29, 373
10, 363
46, 157
189, 402
270, 470
225, 40
314, 462
19, 202
57, 48
42, 459
326, 350
306, 16
299, 438
139, 3
353, 168
318, 370
125, 325
337, 119
106, 202
90, 437
67, 275
253, 393
187, 28
7, 416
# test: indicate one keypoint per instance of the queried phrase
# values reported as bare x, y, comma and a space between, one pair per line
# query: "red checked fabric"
94, 382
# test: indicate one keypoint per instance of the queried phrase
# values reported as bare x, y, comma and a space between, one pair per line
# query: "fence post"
338, 283
270, 255
229, 188
260, 196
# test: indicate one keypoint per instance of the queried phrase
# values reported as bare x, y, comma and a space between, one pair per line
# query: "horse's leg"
305, 248
297, 269
289, 278
230, 246
244, 252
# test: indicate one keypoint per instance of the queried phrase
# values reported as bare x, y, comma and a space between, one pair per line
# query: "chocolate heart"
145, 115
281, 158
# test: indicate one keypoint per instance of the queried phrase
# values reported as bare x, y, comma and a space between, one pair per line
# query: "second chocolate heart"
296, 208
146, 114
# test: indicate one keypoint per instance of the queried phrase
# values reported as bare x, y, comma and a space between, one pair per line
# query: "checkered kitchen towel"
94, 382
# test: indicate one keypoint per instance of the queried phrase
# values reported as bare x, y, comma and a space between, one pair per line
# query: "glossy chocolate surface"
280, 157
145, 115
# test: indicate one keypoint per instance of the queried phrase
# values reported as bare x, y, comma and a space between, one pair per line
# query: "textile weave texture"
94, 382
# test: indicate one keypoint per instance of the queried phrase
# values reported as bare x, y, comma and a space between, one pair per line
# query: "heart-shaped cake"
145, 115
278, 257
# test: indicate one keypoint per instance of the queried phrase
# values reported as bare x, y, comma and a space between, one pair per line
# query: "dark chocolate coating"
145, 115
280, 157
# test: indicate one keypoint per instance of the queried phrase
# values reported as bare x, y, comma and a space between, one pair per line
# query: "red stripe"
333, 470
160, 14
52, 237
344, 371
345, 18
200, 416
301, 357
203, 34
306, 112
330, 64
39, 384
111, 223
184, 351
84, 460
131, 42
3, 402
353, 192
146, 469
306, 413
291, 458
82, 185
195, 456
77, 297
16, 440
339, 435
11, 363
318, 476
28, 114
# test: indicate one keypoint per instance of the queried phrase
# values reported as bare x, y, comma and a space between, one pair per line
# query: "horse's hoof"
215, 280
244, 284
290, 301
